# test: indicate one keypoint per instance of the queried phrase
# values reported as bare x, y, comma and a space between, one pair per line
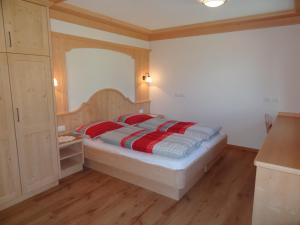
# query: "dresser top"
281, 149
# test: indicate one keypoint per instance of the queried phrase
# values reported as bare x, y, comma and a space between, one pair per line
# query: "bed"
168, 177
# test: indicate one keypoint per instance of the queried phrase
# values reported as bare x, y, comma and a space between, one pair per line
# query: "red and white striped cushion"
97, 129
132, 119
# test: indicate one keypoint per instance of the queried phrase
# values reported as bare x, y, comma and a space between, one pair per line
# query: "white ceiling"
155, 14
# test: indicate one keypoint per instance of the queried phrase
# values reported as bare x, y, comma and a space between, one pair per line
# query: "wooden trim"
237, 24
77, 15
57, 1
53, 2
288, 114
62, 43
40, 2
277, 167
80, 42
236, 147
106, 104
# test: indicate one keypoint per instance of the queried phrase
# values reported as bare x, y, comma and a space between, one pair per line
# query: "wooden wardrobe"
28, 146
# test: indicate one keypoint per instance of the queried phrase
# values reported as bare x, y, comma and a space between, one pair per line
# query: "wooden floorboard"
224, 196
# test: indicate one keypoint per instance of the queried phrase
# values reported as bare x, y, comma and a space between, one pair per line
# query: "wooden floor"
223, 197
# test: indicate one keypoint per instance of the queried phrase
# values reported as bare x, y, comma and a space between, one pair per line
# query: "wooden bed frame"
171, 183
108, 104
105, 104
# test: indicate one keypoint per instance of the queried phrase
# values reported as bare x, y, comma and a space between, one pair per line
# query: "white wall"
90, 70
230, 79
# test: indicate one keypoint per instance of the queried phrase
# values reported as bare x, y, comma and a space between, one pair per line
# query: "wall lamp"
147, 78
55, 82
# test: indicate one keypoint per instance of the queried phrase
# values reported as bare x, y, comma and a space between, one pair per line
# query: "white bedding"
174, 164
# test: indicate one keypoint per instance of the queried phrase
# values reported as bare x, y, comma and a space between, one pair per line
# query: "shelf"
66, 144
69, 162
71, 170
69, 152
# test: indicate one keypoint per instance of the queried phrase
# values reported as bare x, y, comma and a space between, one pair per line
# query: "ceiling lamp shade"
213, 3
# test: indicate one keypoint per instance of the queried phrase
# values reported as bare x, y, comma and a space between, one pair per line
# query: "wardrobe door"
9, 170
26, 27
32, 93
2, 36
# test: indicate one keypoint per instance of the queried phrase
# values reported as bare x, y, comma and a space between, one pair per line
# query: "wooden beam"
243, 23
53, 2
77, 15
57, 1
40, 2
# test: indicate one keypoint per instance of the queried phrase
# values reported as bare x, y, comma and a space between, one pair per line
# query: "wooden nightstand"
71, 156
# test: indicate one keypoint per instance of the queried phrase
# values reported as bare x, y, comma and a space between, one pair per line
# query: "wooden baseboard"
243, 148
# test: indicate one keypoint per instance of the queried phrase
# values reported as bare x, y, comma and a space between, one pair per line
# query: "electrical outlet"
275, 100
61, 128
179, 95
267, 100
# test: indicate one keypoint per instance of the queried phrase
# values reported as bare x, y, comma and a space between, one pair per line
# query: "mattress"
174, 164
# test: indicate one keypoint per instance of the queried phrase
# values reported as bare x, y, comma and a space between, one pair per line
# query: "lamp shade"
147, 78
55, 82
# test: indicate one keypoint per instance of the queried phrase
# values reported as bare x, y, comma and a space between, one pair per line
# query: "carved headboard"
106, 104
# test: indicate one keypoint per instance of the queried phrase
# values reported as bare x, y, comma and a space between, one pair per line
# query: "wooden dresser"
277, 188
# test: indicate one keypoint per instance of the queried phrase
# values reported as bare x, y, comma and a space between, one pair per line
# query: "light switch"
275, 100
61, 128
179, 95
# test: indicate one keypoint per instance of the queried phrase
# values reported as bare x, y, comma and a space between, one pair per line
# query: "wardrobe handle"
9, 39
18, 115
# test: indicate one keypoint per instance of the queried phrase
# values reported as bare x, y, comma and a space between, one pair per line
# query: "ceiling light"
213, 3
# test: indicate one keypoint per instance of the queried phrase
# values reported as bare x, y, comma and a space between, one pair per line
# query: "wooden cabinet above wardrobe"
22, 22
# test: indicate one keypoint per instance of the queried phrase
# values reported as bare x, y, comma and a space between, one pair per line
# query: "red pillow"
134, 118
101, 128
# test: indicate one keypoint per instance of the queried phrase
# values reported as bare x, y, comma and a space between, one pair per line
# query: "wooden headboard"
106, 104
